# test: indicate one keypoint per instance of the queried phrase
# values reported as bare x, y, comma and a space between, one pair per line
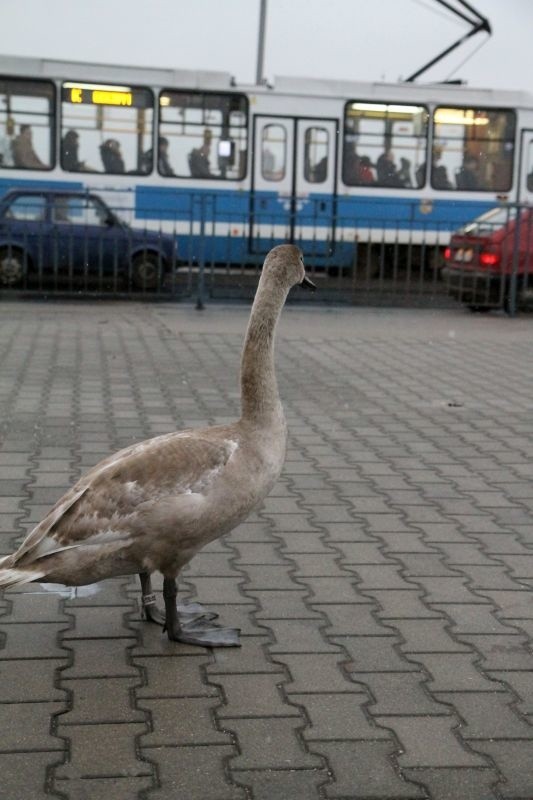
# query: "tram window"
274, 152
529, 173
106, 129
206, 134
475, 148
384, 144
26, 124
316, 155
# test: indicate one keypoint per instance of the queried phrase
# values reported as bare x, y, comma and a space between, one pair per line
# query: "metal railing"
201, 249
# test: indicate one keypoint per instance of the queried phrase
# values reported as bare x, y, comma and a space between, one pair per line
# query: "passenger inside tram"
111, 156
23, 153
467, 176
386, 169
199, 158
6, 144
70, 160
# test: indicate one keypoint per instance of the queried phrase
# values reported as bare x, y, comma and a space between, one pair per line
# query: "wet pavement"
383, 591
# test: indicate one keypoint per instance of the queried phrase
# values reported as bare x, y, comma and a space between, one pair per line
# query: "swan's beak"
307, 284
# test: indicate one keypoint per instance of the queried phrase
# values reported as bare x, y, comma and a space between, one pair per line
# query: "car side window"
30, 208
78, 211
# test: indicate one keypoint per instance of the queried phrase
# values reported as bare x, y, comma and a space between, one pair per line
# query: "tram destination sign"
105, 95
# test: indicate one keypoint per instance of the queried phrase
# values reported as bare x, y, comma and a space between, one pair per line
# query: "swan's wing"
109, 497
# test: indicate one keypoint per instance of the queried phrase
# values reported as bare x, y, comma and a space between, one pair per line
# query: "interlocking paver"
383, 590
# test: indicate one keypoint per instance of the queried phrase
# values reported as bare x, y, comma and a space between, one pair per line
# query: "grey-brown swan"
155, 504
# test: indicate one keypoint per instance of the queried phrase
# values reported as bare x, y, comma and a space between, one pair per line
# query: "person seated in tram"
468, 176
163, 163
386, 169
199, 158
6, 144
439, 174
23, 153
111, 156
70, 153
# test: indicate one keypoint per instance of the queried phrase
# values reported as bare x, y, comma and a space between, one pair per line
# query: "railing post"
513, 283
201, 260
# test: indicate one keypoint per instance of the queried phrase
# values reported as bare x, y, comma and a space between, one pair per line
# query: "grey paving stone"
94, 700
339, 717
103, 788
451, 784
427, 636
521, 684
403, 693
99, 658
513, 761
102, 751
402, 604
374, 654
191, 772
488, 716
26, 726
455, 673
501, 652
322, 673
254, 696
32, 640
265, 743
251, 657
30, 680
300, 784
21, 781
364, 770
279, 604
298, 636
98, 622
350, 620
182, 721
430, 742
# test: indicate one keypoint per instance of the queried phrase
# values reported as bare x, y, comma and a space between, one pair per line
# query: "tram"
237, 168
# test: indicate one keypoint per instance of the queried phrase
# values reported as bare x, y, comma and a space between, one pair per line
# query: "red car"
483, 254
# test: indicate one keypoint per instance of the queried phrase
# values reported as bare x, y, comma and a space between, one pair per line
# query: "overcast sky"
348, 39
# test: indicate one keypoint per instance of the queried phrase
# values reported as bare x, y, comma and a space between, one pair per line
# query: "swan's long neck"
259, 389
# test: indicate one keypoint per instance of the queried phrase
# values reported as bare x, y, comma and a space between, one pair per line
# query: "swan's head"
286, 263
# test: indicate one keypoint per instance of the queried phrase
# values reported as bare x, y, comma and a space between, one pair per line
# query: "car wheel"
11, 266
145, 271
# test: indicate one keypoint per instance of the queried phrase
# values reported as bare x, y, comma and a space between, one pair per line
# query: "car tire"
11, 266
145, 269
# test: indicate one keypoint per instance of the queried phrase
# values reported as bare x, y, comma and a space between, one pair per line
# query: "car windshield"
489, 221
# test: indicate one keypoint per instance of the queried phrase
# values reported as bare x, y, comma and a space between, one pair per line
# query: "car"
482, 256
75, 233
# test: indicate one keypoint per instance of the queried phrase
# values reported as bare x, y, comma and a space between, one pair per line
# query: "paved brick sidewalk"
384, 590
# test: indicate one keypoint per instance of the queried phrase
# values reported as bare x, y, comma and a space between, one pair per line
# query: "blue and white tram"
239, 168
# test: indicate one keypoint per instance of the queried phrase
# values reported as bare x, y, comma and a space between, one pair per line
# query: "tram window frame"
226, 154
144, 155
267, 172
318, 172
9, 116
467, 148
351, 138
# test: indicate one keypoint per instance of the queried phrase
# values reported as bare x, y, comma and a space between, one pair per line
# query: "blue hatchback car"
72, 233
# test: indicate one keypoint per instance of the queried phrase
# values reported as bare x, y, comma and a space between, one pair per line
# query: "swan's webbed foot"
191, 624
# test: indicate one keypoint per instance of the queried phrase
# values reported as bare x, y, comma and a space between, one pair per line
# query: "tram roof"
283, 85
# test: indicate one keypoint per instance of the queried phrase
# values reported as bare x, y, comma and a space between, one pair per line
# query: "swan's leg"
194, 628
150, 609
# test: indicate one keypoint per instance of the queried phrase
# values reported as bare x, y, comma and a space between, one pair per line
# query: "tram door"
294, 184
525, 187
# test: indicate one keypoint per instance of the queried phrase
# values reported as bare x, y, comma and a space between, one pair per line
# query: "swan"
155, 504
